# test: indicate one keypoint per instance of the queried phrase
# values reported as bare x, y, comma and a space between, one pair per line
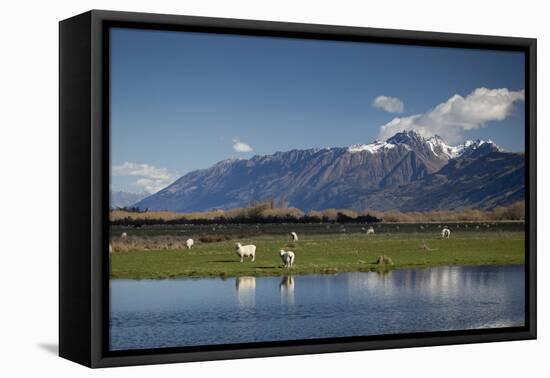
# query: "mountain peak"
478, 143
374, 147
413, 140
406, 137
477, 148
436, 138
331, 178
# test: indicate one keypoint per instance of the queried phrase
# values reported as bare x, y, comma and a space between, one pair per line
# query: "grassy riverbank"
321, 254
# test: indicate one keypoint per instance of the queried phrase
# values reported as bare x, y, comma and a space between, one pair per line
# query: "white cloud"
240, 146
150, 178
389, 104
458, 114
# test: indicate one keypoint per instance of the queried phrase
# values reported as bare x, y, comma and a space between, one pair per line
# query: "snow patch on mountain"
436, 145
439, 147
373, 148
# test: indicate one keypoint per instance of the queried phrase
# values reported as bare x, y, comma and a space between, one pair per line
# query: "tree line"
269, 212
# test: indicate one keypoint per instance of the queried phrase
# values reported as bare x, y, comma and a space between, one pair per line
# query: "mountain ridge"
359, 176
120, 198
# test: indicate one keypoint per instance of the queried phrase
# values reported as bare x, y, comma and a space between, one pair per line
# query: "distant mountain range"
406, 172
125, 199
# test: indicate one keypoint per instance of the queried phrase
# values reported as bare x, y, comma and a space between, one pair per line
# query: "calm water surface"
190, 312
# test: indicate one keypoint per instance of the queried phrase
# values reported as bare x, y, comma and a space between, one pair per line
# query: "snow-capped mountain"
436, 144
374, 147
374, 175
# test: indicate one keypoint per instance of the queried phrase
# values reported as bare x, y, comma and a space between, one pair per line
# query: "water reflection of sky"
159, 313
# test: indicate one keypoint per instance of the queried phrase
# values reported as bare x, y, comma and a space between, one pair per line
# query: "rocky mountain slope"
405, 172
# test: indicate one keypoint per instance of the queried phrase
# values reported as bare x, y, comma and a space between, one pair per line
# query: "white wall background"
29, 186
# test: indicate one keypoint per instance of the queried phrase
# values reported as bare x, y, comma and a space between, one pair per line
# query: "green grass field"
322, 254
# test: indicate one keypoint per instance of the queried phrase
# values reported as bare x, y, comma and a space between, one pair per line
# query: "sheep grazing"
370, 231
189, 243
246, 251
294, 236
287, 257
445, 233
124, 235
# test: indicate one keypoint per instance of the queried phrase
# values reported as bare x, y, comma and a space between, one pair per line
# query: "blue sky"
183, 101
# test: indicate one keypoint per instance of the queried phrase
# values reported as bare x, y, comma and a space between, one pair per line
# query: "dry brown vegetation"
144, 243
512, 212
266, 212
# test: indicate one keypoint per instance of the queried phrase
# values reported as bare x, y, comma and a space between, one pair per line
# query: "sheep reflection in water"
286, 287
246, 291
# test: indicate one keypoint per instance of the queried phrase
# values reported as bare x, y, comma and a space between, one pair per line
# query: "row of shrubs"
341, 218
265, 213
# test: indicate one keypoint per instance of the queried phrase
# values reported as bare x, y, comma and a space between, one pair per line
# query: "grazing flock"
250, 251
287, 257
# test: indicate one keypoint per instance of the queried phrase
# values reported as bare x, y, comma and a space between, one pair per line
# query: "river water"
191, 312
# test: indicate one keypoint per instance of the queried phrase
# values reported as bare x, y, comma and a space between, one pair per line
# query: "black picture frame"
84, 189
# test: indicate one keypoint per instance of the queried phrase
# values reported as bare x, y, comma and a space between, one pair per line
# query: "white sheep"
110, 248
124, 235
294, 236
189, 243
445, 233
287, 257
246, 251
370, 231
